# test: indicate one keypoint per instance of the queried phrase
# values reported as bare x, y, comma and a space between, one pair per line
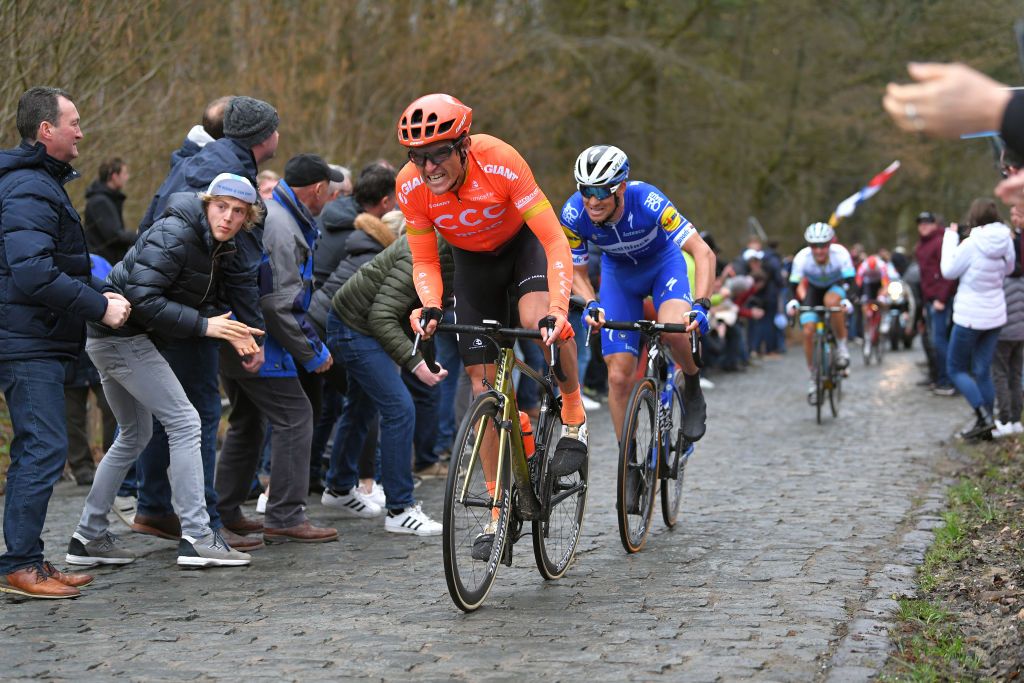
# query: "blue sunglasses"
598, 192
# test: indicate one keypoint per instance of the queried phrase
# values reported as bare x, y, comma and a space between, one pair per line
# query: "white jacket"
980, 263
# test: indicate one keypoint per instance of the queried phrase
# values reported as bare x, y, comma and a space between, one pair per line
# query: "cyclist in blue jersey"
822, 275
641, 236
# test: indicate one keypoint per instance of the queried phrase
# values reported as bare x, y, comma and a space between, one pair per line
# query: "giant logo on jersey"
670, 219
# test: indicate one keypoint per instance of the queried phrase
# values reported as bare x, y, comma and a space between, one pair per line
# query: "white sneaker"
589, 404
413, 520
261, 504
706, 384
1002, 429
125, 507
1018, 428
376, 495
355, 503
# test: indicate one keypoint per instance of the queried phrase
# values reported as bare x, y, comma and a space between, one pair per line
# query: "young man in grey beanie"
250, 138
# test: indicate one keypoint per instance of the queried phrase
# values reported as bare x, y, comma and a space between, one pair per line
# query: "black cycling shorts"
870, 290
488, 282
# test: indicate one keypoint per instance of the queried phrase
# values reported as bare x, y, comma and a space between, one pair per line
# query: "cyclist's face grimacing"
601, 210
820, 253
440, 165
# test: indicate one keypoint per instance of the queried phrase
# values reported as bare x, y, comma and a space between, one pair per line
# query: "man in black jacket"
47, 294
250, 138
104, 222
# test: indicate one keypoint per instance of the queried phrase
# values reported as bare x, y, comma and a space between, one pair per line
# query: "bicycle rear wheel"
674, 448
637, 480
835, 393
468, 515
556, 537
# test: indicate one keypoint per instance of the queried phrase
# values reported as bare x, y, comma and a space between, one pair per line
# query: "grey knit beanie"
249, 121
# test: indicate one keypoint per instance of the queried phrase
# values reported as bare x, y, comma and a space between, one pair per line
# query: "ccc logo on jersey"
670, 219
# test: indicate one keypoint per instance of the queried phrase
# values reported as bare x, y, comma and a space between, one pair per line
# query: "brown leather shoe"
73, 580
244, 525
302, 533
164, 526
32, 582
241, 542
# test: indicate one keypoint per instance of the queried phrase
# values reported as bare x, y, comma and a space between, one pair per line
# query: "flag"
849, 205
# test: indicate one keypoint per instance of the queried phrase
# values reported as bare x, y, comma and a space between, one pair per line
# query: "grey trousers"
256, 401
139, 385
1007, 364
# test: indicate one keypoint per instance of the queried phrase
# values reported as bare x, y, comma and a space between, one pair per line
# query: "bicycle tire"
673, 461
835, 394
469, 580
556, 538
637, 480
819, 378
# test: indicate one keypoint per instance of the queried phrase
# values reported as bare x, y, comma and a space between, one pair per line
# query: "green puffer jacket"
377, 299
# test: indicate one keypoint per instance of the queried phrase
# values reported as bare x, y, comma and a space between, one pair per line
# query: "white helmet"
819, 233
601, 165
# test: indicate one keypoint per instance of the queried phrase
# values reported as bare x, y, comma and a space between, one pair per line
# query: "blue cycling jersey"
649, 224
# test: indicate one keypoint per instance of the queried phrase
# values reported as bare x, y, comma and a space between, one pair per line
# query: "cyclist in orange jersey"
478, 193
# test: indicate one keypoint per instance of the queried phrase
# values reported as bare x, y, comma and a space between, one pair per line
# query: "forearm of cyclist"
426, 268
545, 226
581, 284
704, 266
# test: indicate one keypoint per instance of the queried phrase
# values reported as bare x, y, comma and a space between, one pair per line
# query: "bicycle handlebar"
645, 326
490, 329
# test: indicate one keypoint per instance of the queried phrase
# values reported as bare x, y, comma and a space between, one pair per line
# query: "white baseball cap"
231, 185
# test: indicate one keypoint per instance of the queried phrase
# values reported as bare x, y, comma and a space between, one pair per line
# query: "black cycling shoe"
696, 414
482, 545
570, 452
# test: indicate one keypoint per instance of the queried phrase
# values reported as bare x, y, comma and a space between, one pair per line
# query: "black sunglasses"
436, 157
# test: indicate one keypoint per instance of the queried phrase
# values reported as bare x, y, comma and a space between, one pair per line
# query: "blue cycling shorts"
624, 286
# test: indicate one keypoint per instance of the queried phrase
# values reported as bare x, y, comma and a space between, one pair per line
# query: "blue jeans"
195, 363
938, 329
448, 356
970, 364
34, 390
425, 433
374, 384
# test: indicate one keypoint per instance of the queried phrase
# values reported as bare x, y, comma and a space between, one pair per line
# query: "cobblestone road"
785, 528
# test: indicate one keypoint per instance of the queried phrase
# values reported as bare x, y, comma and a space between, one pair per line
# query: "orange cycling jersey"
497, 196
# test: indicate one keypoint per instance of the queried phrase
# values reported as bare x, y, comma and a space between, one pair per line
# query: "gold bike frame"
509, 428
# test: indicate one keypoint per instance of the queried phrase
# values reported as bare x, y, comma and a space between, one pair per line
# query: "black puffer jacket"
337, 223
173, 275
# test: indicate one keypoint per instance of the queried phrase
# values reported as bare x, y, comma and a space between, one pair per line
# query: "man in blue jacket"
47, 294
250, 138
275, 395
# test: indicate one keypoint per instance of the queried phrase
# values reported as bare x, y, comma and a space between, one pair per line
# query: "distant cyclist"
642, 238
873, 277
822, 274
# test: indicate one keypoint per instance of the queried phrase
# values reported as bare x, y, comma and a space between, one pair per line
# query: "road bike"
828, 376
495, 485
652, 448
874, 338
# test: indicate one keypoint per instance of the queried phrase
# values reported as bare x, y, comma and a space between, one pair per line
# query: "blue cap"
231, 185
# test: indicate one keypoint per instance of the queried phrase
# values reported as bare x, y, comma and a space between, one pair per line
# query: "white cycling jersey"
839, 267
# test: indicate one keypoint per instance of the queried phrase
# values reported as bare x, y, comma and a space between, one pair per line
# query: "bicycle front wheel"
473, 515
674, 449
819, 376
638, 454
556, 537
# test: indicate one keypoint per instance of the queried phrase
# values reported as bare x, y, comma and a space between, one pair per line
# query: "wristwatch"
704, 302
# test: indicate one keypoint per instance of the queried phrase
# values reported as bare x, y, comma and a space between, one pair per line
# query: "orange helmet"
432, 118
